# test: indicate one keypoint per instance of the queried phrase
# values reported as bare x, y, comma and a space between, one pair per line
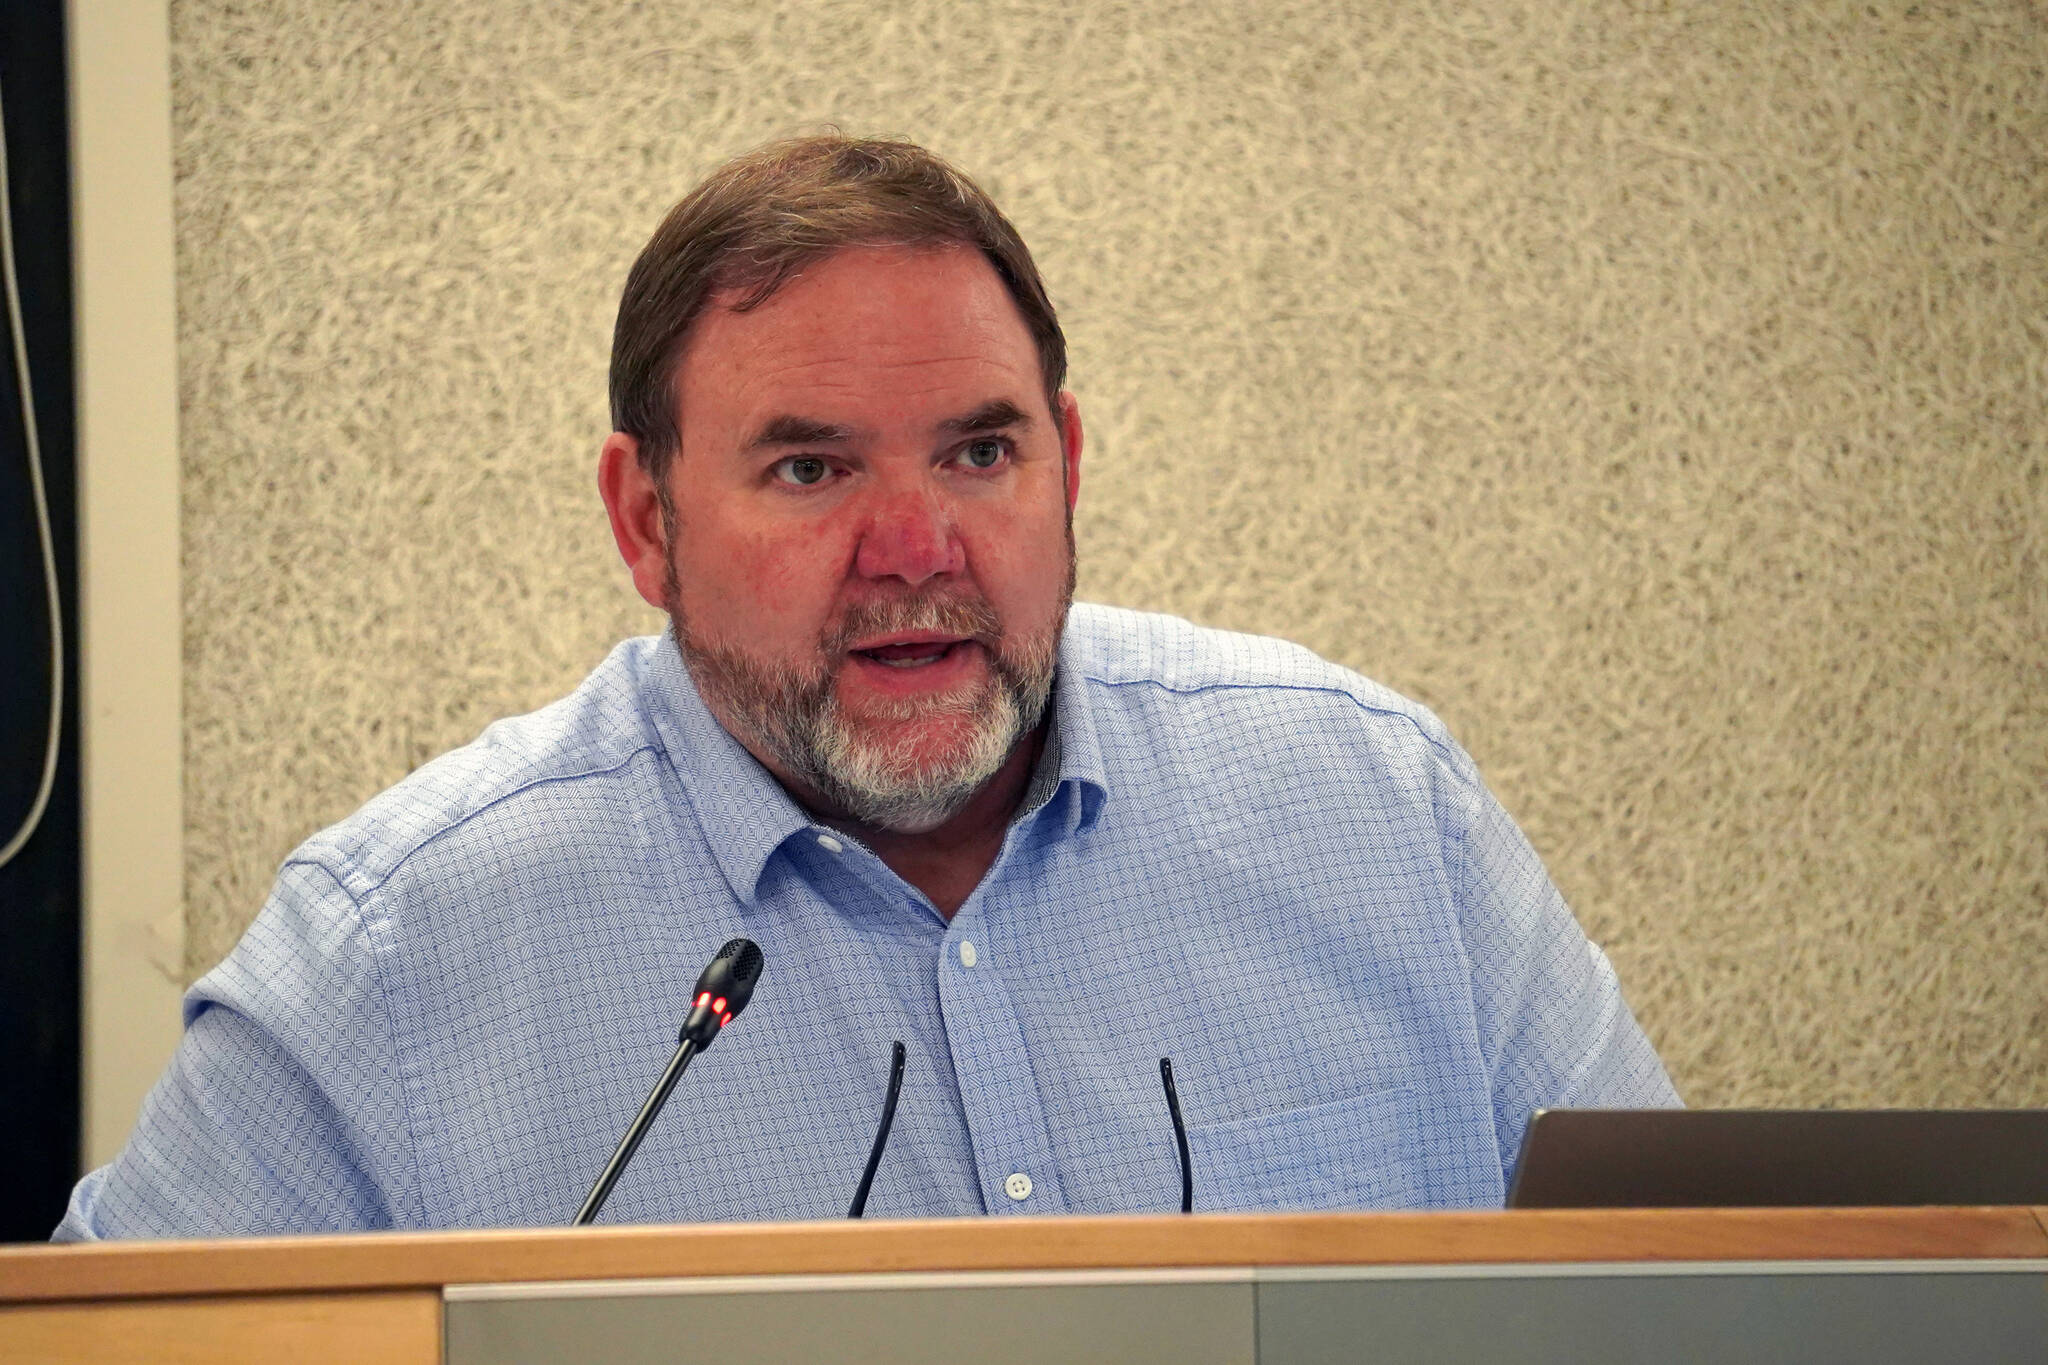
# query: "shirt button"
968, 957
1018, 1187
830, 844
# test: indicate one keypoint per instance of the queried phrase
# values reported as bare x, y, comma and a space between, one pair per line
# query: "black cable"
19, 336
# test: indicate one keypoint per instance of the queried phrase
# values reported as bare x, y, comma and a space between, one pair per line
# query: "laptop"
1703, 1158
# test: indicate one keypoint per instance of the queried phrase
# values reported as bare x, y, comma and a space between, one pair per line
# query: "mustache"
964, 614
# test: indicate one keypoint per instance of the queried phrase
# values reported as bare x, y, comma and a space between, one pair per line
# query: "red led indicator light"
724, 1019
704, 1000
718, 1005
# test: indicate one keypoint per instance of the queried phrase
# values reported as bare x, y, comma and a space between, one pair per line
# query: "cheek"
784, 577
765, 583
1025, 568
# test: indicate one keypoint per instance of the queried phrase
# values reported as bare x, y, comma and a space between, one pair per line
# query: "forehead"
872, 334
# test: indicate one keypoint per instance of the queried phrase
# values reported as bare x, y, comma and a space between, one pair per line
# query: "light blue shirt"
1282, 876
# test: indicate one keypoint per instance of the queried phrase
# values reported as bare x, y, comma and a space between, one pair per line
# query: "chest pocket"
1356, 1153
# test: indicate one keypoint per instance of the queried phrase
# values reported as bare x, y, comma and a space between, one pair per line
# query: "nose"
910, 535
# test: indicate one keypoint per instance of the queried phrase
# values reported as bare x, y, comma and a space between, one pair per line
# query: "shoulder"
565, 752
1176, 665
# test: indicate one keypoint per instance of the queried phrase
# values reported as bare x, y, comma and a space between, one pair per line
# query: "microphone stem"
867, 1176
630, 1143
1180, 1136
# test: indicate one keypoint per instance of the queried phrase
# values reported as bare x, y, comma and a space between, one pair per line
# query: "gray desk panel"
1706, 1318
1504, 1315
1202, 1323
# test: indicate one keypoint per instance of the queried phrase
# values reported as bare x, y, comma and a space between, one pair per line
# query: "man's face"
870, 556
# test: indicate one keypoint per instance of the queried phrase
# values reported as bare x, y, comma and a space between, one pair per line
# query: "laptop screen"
1703, 1158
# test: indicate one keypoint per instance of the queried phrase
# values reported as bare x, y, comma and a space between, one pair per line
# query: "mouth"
908, 652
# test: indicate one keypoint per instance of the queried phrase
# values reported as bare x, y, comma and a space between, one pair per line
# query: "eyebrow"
988, 417
798, 431
790, 430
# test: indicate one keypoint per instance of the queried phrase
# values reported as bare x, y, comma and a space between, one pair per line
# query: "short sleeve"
1554, 1030
283, 1109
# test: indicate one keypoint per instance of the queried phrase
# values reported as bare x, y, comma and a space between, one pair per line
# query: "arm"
1553, 1027
283, 1110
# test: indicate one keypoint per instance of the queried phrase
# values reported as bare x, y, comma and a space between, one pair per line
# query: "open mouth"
921, 654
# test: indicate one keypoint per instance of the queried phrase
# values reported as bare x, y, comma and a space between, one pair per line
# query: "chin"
931, 745
910, 777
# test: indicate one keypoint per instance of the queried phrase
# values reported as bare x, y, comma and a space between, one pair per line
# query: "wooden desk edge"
433, 1259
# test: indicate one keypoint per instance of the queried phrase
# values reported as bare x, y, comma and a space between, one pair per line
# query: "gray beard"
794, 717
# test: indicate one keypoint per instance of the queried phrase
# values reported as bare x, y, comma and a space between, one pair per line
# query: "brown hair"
762, 217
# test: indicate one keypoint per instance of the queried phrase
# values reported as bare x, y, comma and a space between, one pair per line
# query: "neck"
948, 861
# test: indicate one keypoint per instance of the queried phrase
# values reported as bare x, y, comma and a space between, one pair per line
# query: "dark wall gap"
40, 889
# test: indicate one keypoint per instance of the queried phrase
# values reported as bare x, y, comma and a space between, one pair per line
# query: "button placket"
1005, 1112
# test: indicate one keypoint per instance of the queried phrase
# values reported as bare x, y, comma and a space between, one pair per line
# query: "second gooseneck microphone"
867, 1176
723, 990
1180, 1136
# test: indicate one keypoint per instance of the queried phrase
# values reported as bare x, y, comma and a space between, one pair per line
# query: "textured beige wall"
1656, 390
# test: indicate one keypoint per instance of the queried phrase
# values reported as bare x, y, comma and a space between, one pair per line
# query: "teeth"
907, 656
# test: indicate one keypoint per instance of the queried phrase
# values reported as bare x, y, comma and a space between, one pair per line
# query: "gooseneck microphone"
723, 990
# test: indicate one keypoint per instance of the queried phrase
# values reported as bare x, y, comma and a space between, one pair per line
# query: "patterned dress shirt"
1280, 875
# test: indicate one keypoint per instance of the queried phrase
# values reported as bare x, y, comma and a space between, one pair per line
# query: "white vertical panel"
128, 537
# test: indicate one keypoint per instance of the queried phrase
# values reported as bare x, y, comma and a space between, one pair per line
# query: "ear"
635, 512
1070, 442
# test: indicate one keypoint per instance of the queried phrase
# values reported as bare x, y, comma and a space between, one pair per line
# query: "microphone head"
732, 975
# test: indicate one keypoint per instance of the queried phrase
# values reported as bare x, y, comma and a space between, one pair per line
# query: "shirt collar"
744, 812
1071, 765
746, 815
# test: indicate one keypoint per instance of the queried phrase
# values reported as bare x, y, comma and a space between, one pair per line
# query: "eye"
985, 453
804, 471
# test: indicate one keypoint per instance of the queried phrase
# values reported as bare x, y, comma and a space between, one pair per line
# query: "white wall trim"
131, 674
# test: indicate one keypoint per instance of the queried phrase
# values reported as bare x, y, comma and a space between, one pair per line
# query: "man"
1043, 849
